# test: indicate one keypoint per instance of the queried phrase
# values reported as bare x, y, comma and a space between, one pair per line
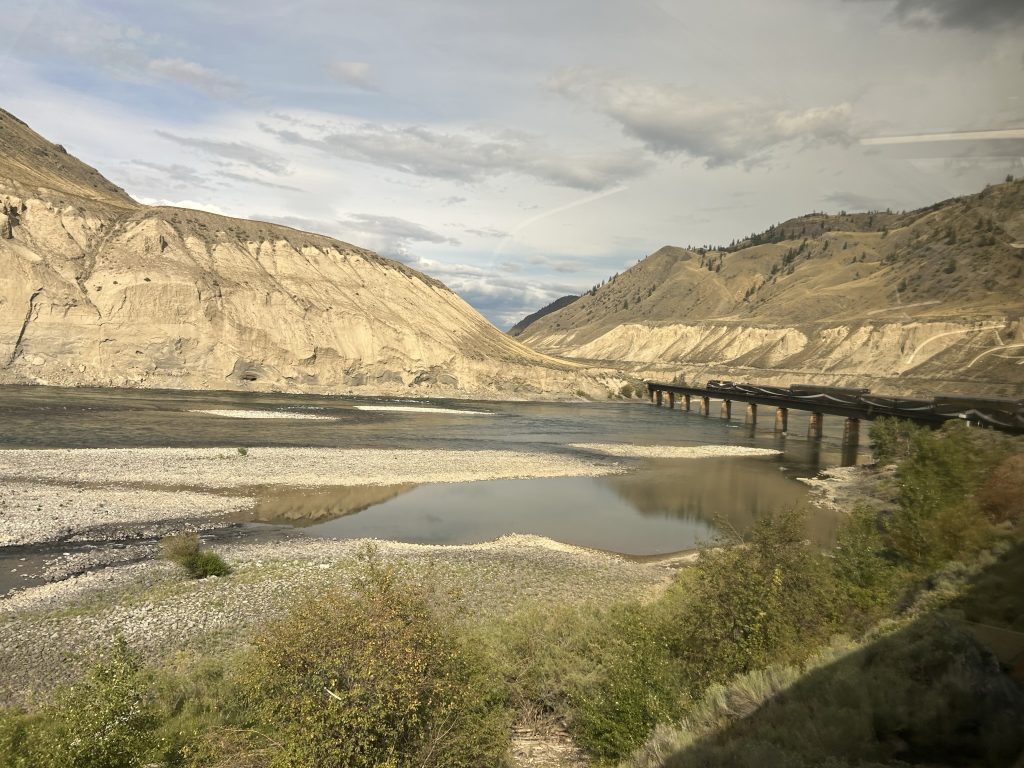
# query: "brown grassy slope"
841, 271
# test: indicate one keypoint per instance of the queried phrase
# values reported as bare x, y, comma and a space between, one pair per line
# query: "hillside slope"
530, 319
100, 290
921, 301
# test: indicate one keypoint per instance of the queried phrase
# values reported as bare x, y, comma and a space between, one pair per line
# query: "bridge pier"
686, 402
851, 431
782, 419
726, 412
705, 406
814, 425
671, 401
659, 395
751, 418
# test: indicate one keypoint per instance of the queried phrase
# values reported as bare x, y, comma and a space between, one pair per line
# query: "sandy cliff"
924, 301
96, 289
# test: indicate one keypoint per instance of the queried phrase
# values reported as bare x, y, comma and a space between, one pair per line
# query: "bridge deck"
1006, 415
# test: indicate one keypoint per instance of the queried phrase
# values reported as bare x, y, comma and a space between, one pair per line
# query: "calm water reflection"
663, 506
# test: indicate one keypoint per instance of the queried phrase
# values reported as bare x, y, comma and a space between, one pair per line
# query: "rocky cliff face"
927, 301
96, 289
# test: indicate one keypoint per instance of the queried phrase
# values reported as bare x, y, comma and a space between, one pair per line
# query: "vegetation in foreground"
766, 652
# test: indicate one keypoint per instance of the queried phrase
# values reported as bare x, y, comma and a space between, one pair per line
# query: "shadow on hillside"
930, 694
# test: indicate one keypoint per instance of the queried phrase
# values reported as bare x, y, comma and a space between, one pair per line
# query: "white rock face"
96, 289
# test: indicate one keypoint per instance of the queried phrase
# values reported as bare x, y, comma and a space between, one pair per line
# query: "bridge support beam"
705, 406
851, 432
814, 425
650, 391
751, 418
659, 395
672, 401
782, 419
686, 402
726, 412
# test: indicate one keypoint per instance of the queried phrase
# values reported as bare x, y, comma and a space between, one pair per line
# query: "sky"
523, 150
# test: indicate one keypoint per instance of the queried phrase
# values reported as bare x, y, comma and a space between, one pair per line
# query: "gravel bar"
32, 513
628, 451
302, 467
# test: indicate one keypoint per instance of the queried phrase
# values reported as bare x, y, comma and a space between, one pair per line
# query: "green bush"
604, 673
867, 577
638, 687
107, 720
938, 519
185, 550
375, 678
750, 605
892, 439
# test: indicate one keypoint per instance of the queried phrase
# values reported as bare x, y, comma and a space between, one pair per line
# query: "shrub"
185, 550
867, 578
892, 439
626, 390
639, 687
375, 678
938, 519
1001, 497
604, 673
106, 720
750, 605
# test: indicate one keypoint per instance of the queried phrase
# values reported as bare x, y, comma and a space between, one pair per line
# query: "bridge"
851, 404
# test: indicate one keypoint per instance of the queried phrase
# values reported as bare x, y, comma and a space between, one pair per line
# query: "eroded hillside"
97, 289
921, 301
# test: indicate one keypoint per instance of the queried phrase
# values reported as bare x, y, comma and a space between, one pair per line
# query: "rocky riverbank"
48, 633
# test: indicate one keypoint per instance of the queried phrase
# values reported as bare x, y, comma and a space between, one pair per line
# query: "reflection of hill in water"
730, 491
308, 507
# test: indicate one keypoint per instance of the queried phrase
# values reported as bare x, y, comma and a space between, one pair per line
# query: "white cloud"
720, 131
194, 204
247, 154
468, 155
196, 75
354, 73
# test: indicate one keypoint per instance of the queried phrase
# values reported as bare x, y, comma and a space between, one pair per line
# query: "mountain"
925, 301
527, 321
99, 290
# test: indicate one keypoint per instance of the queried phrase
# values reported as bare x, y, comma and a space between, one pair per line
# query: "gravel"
418, 409
240, 414
306, 467
33, 513
627, 450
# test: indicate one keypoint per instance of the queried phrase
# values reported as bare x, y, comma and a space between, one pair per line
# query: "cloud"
247, 154
978, 15
854, 202
389, 235
503, 300
487, 232
195, 205
190, 73
469, 156
453, 200
181, 175
721, 132
353, 73
246, 179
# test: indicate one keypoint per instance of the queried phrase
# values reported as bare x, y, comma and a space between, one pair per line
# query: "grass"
186, 550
